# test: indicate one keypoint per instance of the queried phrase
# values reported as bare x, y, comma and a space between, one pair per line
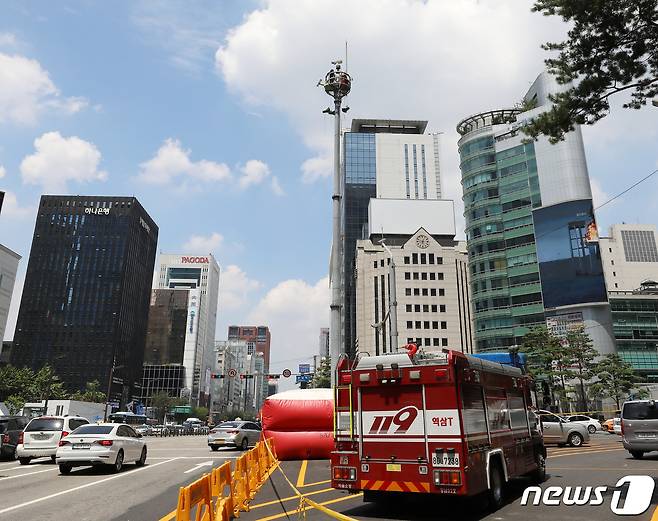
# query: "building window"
435, 342
433, 308
414, 258
444, 325
415, 275
616, 285
444, 342
423, 258
419, 342
407, 292
418, 324
433, 292
407, 308
442, 292
416, 292
442, 308
428, 342
426, 324
435, 324
423, 276
410, 324
639, 245
439, 260
430, 258
426, 308
417, 308
614, 273
410, 340
375, 265
432, 276
406, 260
407, 275
612, 262
381, 263
424, 292
439, 276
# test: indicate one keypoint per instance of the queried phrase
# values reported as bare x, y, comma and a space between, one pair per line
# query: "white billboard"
406, 216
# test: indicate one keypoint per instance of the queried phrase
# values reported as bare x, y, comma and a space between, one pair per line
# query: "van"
10, 430
639, 427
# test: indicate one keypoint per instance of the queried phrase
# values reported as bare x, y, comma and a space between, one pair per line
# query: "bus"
447, 424
128, 417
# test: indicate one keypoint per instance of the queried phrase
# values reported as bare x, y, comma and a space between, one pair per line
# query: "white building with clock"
432, 290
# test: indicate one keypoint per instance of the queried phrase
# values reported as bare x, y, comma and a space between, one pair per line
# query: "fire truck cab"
446, 423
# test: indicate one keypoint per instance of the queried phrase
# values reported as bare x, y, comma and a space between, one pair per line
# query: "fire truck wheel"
575, 439
539, 475
496, 487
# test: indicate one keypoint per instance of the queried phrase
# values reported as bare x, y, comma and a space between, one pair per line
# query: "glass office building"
534, 257
86, 296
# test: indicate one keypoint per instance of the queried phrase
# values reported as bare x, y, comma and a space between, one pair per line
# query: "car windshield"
228, 425
45, 424
93, 429
640, 411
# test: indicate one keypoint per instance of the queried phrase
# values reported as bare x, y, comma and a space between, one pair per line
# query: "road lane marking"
290, 498
194, 457
585, 453
198, 466
302, 473
27, 474
298, 510
80, 487
616, 469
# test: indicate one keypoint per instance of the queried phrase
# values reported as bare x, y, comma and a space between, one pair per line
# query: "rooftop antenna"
337, 84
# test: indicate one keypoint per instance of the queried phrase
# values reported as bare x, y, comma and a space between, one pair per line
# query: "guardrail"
223, 493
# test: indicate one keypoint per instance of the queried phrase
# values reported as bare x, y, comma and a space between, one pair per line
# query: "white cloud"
599, 196
295, 311
58, 160
203, 244
3, 172
11, 208
26, 90
276, 187
253, 172
171, 161
235, 286
316, 168
189, 32
7, 40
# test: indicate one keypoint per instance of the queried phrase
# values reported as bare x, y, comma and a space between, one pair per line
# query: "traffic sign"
306, 378
286, 373
232, 373
304, 368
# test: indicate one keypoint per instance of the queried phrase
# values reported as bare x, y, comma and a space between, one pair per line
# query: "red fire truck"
446, 423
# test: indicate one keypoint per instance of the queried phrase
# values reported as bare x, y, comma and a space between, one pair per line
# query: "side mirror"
139, 435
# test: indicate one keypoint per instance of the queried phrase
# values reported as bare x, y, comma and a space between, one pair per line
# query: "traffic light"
274, 376
216, 375
246, 376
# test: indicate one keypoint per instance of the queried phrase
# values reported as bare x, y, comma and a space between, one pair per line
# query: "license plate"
82, 445
41, 436
217, 442
394, 467
444, 459
646, 435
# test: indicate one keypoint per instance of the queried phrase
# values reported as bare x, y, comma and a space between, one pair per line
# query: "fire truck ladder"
343, 410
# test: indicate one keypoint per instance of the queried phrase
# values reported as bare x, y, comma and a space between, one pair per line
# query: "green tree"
161, 403
616, 378
46, 385
322, 376
14, 381
200, 412
611, 48
92, 393
14, 403
581, 355
30, 386
545, 361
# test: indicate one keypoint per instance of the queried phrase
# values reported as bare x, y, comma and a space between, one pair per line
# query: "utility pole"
337, 84
393, 313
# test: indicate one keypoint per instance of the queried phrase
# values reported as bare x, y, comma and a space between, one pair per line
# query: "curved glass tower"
532, 241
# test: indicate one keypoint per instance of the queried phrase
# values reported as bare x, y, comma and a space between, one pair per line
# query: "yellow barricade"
196, 495
230, 491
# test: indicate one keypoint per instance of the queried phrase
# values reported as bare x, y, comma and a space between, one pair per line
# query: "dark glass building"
86, 297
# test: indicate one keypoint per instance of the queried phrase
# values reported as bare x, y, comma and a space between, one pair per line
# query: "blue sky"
208, 113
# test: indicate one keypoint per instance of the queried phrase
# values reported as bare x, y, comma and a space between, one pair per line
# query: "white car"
591, 424
616, 426
103, 444
42, 435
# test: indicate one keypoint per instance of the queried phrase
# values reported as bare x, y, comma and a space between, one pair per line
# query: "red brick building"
258, 339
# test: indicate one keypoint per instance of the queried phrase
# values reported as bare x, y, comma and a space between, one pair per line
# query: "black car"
10, 428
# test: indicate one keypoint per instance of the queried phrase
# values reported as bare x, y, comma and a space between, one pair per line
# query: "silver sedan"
104, 444
239, 434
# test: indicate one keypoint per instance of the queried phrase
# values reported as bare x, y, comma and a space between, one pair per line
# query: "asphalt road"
600, 463
37, 492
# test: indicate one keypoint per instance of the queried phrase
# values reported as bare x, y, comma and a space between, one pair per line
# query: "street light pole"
337, 84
